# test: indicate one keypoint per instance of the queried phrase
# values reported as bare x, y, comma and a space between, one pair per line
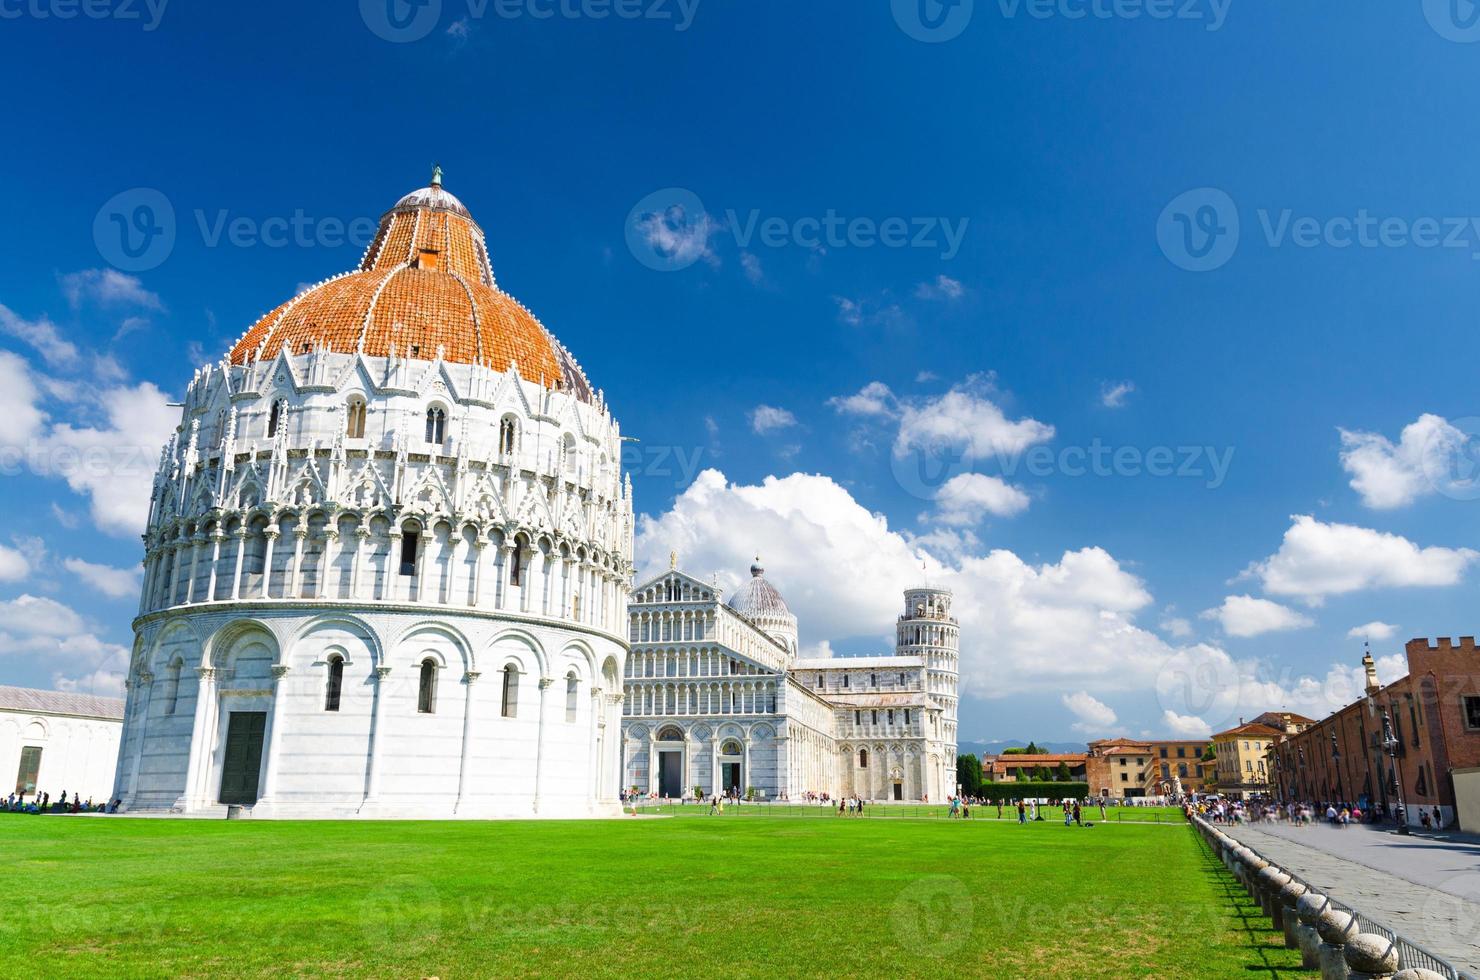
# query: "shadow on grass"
1262, 937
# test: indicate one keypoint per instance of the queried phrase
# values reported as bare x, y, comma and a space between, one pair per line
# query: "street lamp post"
1304, 790
1390, 742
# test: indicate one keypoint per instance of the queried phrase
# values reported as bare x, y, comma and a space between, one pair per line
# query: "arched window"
274, 417
354, 425
436, 426
568, 447
426, 691
572, 686
863, 758
510, 707
508, 433
335, 684
172, 689
516, 564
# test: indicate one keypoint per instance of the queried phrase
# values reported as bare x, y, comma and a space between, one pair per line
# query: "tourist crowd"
43, 803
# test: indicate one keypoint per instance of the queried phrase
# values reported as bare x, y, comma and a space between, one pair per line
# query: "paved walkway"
1425, 887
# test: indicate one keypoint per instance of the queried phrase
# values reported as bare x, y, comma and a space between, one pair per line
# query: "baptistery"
387, 557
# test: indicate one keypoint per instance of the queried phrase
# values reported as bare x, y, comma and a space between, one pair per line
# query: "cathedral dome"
758, 598
425, 288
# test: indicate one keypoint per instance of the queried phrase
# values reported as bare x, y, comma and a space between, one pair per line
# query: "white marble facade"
716, 699
58, 742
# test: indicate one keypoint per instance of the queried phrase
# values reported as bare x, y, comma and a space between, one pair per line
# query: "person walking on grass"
1022, 812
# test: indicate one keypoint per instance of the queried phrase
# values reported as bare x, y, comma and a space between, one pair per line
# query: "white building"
387, 557
717, 699
57, 742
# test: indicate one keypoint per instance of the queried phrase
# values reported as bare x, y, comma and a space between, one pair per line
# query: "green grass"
1145, 814
722, 895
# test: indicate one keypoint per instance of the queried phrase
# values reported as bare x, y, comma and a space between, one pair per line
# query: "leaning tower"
928, 630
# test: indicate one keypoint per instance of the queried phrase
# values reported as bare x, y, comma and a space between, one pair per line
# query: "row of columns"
714, 698
670, 625
703, 662
549, 585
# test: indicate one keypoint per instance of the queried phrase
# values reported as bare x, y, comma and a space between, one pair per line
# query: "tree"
1040, 775
1033, 749
1063, 773
969, 774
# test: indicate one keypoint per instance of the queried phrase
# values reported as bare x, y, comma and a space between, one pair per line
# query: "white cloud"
1095, 716
768, 418
811, 532
1176, 627
1185, 726
108, 287
943, 288
1316, 560
872, 400
870, 313
1388, 475
43, 335
114, 464
13, 565
114, 582
1243, 615
966, 420
924, 377
1375, 630
53, 634
751, 264
20, 418
966, 498
679, 237
1114, 393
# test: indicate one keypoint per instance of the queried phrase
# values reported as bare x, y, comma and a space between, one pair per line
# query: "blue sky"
1066, 320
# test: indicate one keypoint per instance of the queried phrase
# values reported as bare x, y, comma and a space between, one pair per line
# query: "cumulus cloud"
49, 632
1375, 630
1185, 726
1243, 615
768, 418
1317, 560
870, 313
873, 400
1095, 716
20, 415
680, 237
116, 583
1176, 627
113, 462
964, 500
941, 288
1388, 475
1113, 394
966, 420
13, 565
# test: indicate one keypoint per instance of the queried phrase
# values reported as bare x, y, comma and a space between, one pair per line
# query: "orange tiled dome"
424, 284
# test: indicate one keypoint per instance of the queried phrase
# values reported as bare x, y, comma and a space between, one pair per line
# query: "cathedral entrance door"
242, 768
670, 774
899, 791
731, 772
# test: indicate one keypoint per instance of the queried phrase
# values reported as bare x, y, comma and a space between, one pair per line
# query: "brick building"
1127, 767
1018, 767
1434, 714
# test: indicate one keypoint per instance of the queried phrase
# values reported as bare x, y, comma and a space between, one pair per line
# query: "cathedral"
388, 569
717, 700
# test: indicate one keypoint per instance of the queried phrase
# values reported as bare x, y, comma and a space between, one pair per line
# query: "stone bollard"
1371, 957
1418, 973
1337, 928
1290, 893
1252, 867
1242, 858
1310, 907
1270, 880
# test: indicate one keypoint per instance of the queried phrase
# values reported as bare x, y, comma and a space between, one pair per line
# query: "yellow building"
1242, 768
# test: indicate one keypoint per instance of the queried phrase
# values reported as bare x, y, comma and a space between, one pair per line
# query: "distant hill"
980, 749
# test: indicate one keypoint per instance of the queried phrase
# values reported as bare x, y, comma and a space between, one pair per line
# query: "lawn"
822, 897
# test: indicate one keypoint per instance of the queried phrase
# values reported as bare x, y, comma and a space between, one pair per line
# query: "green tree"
1063, 773
969, 774
1040, 775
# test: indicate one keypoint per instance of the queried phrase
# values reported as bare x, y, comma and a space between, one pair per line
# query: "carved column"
201, 741
275, 725
539, 749
480, 549
326, 560
142, 691
196, 544
295, 581
217, 536
362, 552
271, 532
241, 554
377, 734
392, 565
467, 739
